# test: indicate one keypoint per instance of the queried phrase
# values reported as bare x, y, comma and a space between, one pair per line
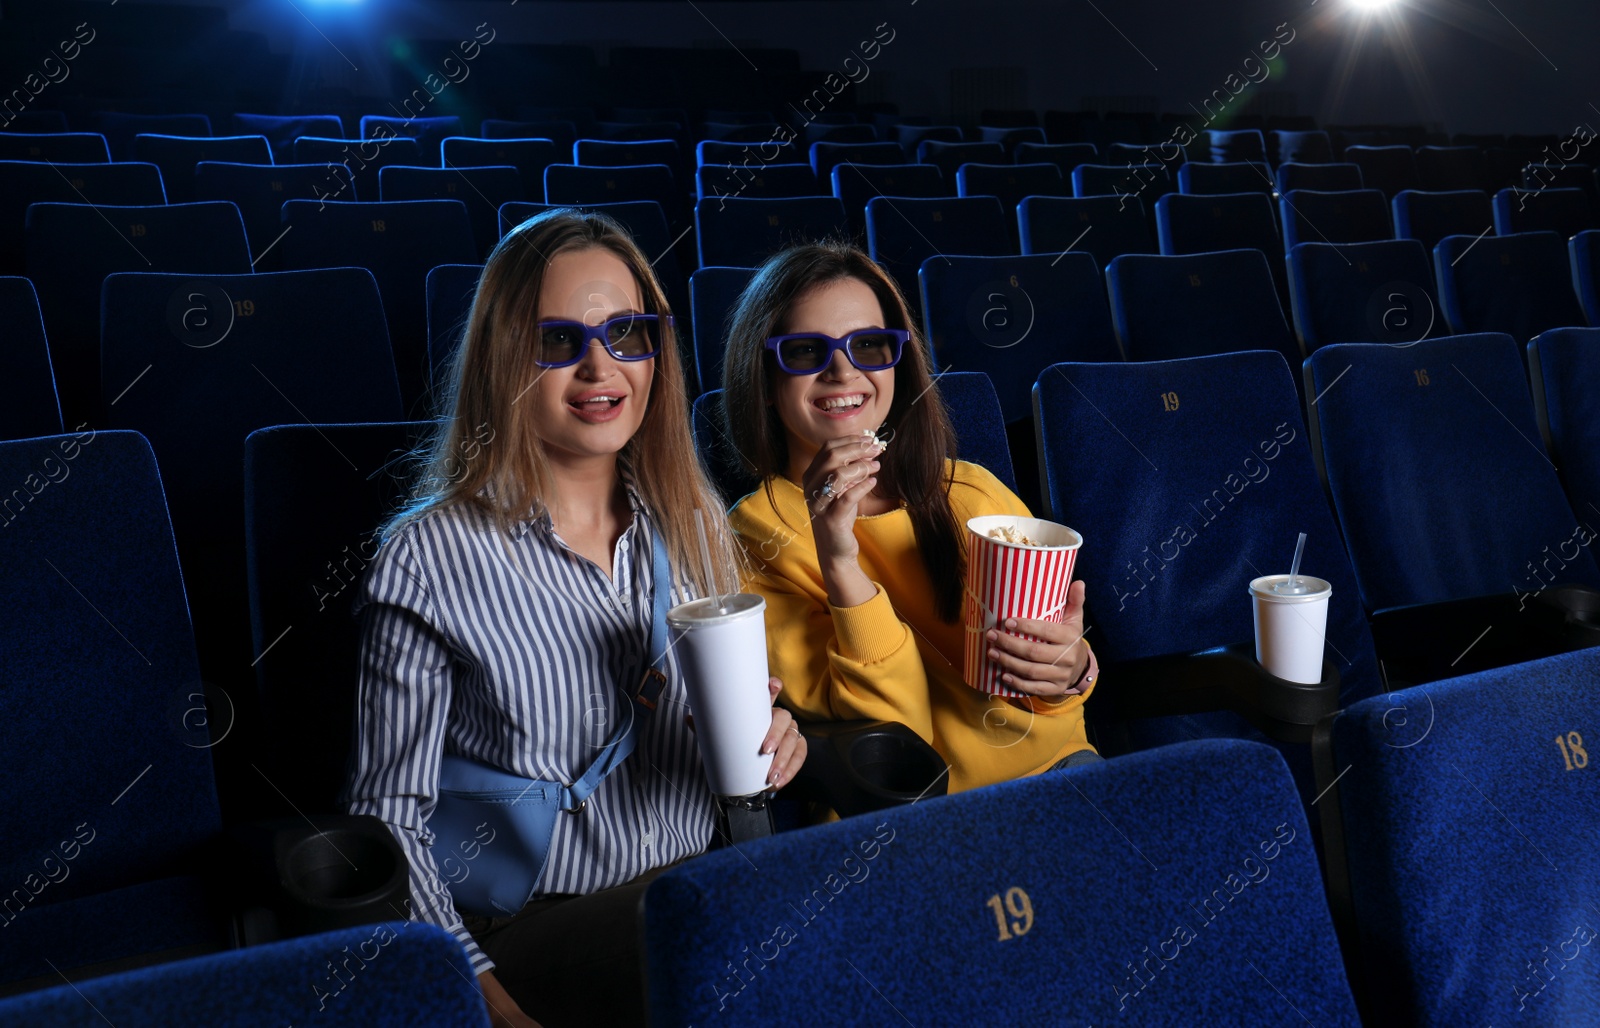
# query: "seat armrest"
1425, 642
855, 767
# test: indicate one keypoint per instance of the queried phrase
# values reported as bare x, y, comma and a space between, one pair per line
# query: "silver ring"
796, 731
827, 488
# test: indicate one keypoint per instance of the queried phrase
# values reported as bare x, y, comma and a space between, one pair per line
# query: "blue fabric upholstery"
109, 782
1327, 177
1542, 175
1065, 156
482, 189
29, 182
73, 247
399, 243
120, 129
1520, 284
261, 190
1362, 293
741, 232
1566, 212
305, 572
1120, 859
1429, 217
848, 134
313, 348
1422, 475
38, 121
1564, 365
765, 182
1010, 182
713, 151
55, 147
911, 136
1351, 216
716, 450
825, 155
617, 153
1124, 181
1104, 226
428, 132
563, 133
1470, 845
362, 158
974, 409
713, 292
1237, 145
1389, 168
1181, 512
904, 232
1442, 168
450, 290
1584, 249
1011, 317
177, 156
571, 185
400, 973
529, 156
282, 130
856, 184
1211, 179
1305, 148
1203, 303
1012, 136
30, 406
1230, 221
949, 157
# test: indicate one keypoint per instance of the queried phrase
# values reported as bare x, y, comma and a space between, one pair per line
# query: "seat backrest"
856, 184
305, 572
1584, 250
1011, 136
713, 293
226, 355
1065, 156
1235, 177
530, 156
1124, 181
949, 157
450, 290
1228, 221
1010, 182
1451, 167
974, 409
428, 132
824, 155
1104, 226
1389, 168
903, 232
1228, 146
1519, 284
1437, 800
1564, 366
611, 153
1306, 147
282, 130
561, 132
261, 190
741, 232
1188, 479
120, 129
572, 184
399, 243
91, 566
1566, 212
55, 147
73, 247
716, 450
1448, 424
1429, 217
363, 158
30, 407
409, 971
483, 190
1362, 293
767, 181
1326, 177
911, 136
1011, 317
1198, 304
177, 156
1350, 216
839, 902
769, 151
29, 182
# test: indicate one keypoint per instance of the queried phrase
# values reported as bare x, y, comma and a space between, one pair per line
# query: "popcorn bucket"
1012, 580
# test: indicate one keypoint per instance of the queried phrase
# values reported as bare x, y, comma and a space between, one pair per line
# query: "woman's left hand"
1052, 667
783, 741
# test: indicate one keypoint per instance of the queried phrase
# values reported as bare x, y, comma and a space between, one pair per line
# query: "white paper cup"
1010, 580
1290, 630
723, 657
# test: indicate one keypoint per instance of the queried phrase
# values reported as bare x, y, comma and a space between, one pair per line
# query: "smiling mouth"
596, 404
830, 404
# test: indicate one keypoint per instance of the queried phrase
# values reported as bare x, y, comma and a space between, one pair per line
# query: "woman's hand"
1052, 667
841, 475
784, 741
503, 1010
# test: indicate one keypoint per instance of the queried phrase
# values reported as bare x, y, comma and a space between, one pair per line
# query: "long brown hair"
915, 469
485, 438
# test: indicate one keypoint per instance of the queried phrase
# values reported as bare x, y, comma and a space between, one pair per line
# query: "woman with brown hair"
511, 626
858, 529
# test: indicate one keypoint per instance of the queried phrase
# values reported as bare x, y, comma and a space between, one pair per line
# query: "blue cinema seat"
29, 182
55, 147
713, 293
1328, 177
1566, 212
904, 232
856, 184
261, 190
529, 156
948, 157
764, 181
281, 130
428, 132
573, 185
450, 290
1584, 252
121, 129
1104, 226
177, 157
741, 232
1564, 365
1202, 303
1389, 168
1429, 217
1351, 216
1519, 284
30, 407
1362, 293
482, 189
1198, 179
362, 158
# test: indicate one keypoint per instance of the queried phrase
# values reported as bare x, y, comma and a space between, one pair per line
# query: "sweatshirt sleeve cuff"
870, 631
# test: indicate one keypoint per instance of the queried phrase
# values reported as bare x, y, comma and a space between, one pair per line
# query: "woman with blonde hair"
857, 533
513, 629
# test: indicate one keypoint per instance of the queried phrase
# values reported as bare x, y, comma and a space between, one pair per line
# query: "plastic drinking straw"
711, 579
1294, 569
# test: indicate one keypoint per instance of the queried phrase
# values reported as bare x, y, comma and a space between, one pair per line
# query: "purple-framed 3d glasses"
627, 337
869, 349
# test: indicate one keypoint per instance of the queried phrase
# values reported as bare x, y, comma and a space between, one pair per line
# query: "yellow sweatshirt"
892, 658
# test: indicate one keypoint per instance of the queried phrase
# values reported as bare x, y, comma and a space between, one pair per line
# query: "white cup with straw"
721, 644
1291, 614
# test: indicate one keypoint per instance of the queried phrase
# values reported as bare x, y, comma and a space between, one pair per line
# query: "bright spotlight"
1372, 5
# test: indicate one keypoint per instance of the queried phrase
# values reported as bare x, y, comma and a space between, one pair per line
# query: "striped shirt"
509, 651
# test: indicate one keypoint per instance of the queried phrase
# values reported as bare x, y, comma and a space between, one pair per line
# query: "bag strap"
643, 696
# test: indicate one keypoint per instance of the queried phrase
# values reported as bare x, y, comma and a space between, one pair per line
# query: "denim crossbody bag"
500, 825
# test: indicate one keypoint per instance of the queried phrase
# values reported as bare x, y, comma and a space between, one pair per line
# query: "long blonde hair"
484, 438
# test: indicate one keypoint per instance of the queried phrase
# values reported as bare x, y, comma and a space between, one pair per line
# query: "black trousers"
573, 960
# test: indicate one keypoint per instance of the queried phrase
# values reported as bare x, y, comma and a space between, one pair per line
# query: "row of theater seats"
1110, 863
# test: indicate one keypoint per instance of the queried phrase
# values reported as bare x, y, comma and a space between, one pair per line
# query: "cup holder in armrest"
860, 766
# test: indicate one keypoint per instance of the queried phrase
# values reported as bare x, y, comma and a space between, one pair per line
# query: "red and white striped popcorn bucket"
1012, 580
